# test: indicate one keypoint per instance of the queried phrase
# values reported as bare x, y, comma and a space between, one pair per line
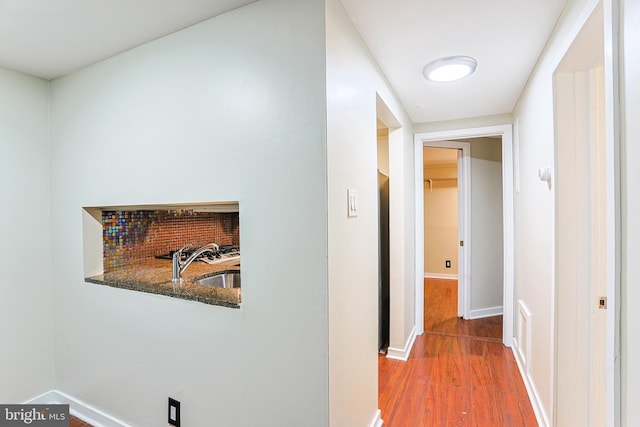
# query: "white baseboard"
403, 353
534, 396
78, 409
440, 276
377, 420
485, 312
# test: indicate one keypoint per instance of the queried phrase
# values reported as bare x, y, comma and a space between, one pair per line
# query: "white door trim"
612, 128
505, 131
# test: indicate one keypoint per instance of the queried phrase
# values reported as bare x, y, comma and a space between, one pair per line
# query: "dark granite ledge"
154, 276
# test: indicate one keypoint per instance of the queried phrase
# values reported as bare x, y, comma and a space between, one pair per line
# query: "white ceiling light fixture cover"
449, 69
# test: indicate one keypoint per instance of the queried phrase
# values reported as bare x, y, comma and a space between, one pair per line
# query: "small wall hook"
544, 174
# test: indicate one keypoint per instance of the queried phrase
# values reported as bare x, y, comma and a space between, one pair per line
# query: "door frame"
464, 223
609, 21
508, 213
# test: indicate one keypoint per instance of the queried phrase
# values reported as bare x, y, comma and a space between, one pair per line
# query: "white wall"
229, 109
440, 219
383, 151
630, 268
472, 122
534, 205
26, 329
402, 240
352, 83
487, 255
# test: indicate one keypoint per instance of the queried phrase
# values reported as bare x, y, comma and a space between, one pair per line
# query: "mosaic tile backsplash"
129, 236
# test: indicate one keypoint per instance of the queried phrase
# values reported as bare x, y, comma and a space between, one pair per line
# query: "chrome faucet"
179, 267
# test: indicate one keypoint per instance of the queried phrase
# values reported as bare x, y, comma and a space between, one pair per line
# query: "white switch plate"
352, 203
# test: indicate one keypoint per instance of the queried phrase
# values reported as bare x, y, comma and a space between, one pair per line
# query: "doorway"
465, 224
383, 240
389, 177
440, 185
505, 189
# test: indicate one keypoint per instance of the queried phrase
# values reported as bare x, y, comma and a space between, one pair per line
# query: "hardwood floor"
76, 422
453, 381
441, 313
458, 374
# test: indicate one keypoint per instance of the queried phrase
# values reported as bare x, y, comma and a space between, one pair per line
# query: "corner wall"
230, 109
487, 227
353, 80
26, 328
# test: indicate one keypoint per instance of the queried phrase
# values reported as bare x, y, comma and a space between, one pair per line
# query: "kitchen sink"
222, 279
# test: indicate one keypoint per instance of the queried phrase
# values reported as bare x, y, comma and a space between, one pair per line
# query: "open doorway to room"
480, 231
441, 214
463, 221
383, 240
389, 177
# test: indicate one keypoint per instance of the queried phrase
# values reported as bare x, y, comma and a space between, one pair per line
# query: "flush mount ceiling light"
449, 69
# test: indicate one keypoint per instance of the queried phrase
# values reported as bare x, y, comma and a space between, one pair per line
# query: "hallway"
458, 374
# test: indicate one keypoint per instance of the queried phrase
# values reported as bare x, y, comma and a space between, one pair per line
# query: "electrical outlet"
447, 263
174, 412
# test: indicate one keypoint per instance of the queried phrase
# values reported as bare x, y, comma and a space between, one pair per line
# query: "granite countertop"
154, 276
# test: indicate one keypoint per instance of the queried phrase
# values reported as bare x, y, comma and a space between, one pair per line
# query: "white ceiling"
506, 37
49, 38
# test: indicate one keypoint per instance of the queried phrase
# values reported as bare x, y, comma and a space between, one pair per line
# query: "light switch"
352, 201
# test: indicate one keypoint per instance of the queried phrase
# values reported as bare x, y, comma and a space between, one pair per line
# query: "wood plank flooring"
453, 381
441, 313
457, 375
77, 422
